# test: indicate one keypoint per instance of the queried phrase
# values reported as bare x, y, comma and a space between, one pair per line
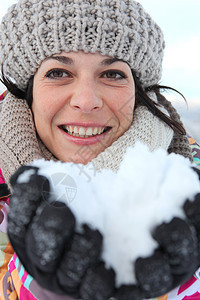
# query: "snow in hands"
149, 189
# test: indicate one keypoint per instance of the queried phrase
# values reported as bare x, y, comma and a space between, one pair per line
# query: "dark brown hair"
142, 98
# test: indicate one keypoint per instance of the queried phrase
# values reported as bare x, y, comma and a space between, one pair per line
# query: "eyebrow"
63, 59
69, 61
110, 61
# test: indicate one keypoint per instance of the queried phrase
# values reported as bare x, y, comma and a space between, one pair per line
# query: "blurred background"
180, 22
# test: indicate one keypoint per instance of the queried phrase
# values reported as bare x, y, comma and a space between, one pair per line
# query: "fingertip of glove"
20, 171
93, 235
98, 283
197, 170
129, 292
55, 215
192, 210
154, 275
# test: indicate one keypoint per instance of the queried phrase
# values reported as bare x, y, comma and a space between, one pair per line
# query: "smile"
84, 132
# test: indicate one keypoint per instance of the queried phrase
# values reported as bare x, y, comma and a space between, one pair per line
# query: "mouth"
84, 132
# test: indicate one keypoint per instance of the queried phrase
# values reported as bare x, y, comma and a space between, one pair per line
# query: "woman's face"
82, 103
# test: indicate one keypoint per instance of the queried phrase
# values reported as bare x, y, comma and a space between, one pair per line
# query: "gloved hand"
67, 262
175, 260
43, 237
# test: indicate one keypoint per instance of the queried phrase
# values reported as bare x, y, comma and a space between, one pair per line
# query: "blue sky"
180, 22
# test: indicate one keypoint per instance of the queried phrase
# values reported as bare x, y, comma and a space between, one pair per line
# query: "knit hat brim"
36, 29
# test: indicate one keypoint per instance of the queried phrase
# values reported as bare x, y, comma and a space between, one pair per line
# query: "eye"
57, 73
114, 74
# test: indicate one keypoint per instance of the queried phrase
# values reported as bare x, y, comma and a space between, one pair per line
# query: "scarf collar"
20, 144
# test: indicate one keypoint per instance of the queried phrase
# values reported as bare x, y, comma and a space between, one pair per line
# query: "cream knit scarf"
19, 143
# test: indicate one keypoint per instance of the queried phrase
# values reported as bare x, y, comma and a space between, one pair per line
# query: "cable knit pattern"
145, 128
35, 29
19, 144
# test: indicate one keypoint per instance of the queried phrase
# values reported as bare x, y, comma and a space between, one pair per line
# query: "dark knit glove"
42, 235
174, 261
67, 262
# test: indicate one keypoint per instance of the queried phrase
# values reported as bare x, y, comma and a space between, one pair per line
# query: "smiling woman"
84, 94
83, 86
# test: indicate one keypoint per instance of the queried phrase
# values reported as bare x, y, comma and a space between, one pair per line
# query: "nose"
86, 97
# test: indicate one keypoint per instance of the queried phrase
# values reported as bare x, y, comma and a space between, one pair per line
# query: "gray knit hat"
35, 29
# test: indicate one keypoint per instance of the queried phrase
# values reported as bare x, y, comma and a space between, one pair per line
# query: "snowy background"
179, 20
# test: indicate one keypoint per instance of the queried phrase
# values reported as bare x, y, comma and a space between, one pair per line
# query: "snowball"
150, 188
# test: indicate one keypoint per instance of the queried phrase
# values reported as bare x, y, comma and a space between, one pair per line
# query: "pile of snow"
149, 189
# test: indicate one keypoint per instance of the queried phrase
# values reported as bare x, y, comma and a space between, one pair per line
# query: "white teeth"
83, 131
99, 131
75, 130
89, 131
95, 130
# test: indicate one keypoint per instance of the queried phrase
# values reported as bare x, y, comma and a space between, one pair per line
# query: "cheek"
123, 107
44, 106
40, 110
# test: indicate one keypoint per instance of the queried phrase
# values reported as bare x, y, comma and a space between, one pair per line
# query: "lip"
84, 141
92, 124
